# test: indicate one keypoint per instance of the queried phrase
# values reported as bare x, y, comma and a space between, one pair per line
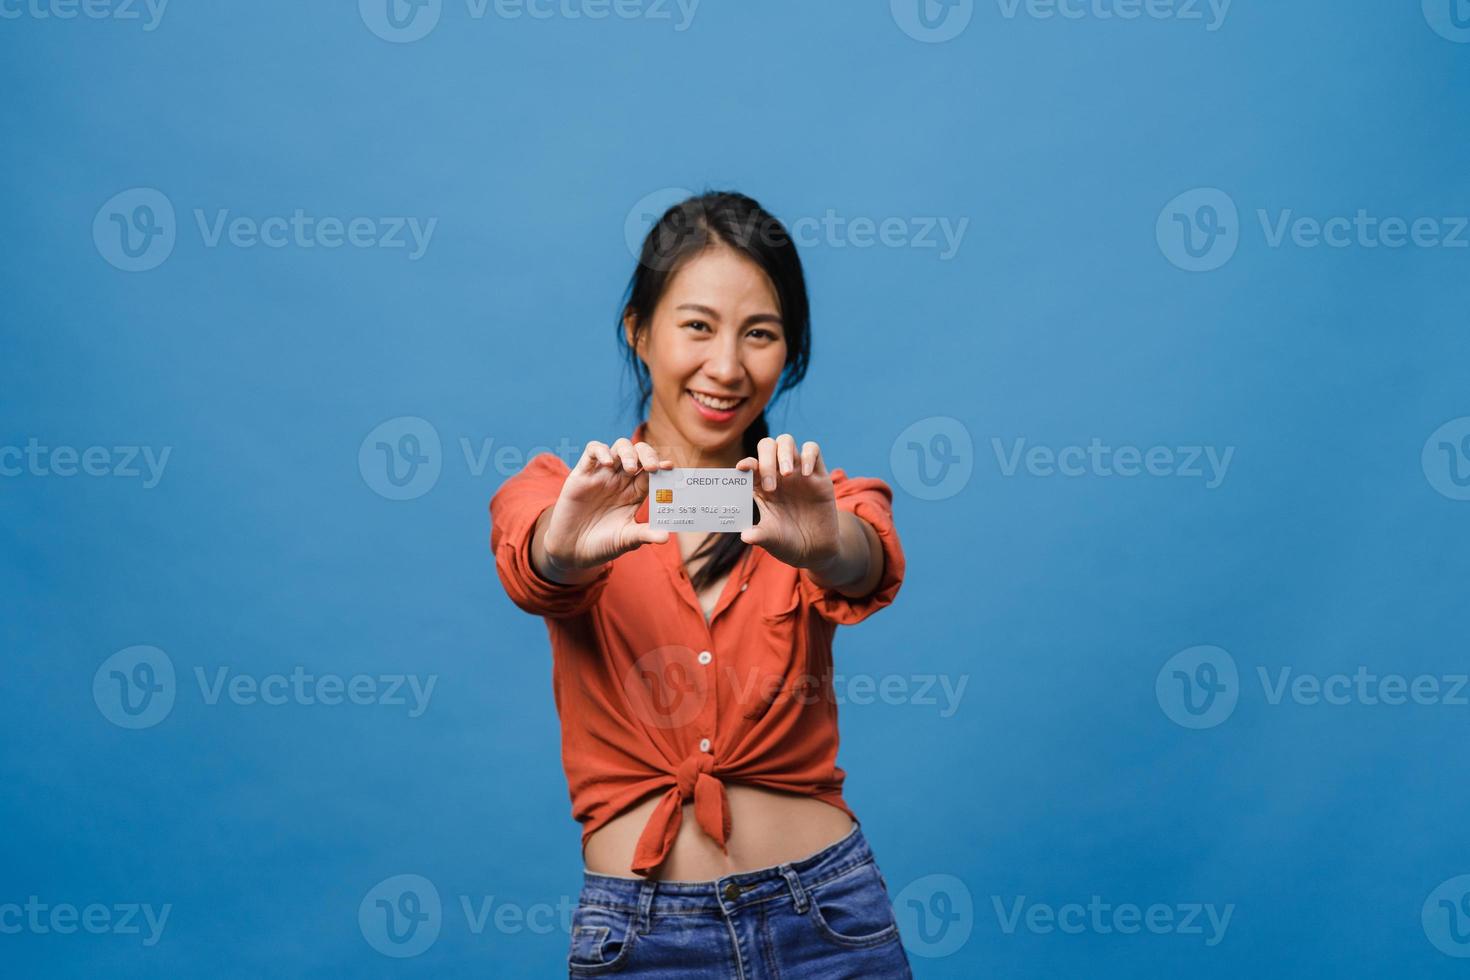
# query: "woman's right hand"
592, 521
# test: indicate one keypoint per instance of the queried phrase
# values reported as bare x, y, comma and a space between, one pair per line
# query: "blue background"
1061, 776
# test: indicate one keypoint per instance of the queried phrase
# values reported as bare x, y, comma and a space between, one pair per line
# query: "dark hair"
684, 231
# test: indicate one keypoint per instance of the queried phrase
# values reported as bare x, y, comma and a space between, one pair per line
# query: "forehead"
718, 277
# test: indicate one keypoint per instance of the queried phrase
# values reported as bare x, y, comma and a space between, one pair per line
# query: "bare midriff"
767, 827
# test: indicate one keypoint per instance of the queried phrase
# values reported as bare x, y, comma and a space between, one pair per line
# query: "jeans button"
732, 892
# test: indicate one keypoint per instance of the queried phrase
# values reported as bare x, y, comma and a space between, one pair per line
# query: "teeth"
719, 404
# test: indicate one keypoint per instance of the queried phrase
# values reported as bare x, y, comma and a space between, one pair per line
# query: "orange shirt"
651, 696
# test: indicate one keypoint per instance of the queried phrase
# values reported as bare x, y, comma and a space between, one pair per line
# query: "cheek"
669, 363
765, 368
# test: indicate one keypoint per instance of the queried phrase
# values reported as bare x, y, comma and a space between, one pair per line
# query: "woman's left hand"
799, 523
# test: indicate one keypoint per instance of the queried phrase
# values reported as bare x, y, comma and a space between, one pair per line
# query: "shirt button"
704, 745
705, 656
743, 585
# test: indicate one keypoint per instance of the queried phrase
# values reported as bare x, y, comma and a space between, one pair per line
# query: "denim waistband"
648, 897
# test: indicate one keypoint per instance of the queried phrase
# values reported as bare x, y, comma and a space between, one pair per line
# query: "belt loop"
645, 906
798, 892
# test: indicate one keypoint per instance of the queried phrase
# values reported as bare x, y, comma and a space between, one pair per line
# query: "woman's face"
714, 349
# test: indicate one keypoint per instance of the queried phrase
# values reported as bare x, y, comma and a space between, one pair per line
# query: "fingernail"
770, 483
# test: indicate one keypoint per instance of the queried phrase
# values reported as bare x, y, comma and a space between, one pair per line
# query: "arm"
545, 566
858, 566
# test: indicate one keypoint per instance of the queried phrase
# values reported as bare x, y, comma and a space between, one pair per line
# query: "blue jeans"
824, 917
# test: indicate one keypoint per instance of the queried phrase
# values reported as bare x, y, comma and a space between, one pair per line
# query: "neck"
661, 434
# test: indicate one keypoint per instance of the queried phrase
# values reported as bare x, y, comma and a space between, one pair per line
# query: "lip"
712, 415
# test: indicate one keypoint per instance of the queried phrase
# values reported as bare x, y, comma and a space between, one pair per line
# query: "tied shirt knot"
694, 780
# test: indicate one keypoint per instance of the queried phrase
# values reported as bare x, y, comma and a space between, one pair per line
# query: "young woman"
693, 673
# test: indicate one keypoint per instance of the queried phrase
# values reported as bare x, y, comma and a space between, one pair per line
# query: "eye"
764, 334
697, 324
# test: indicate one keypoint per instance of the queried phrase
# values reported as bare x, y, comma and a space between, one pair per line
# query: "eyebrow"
756, 318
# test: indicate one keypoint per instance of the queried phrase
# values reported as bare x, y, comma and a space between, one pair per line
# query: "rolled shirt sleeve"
514, 511
872, 500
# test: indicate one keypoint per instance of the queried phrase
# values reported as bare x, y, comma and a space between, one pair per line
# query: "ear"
630, 321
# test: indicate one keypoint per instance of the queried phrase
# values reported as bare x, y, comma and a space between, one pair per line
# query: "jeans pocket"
853, 909
602, 939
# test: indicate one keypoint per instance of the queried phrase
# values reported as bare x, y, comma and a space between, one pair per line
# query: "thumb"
648, 535
755, 534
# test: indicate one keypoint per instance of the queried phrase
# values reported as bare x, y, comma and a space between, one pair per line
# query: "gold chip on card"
663, 496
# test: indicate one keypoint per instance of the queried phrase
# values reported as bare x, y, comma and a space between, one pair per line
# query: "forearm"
547, 568
858, 564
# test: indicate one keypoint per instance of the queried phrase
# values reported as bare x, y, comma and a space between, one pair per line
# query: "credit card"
689, 499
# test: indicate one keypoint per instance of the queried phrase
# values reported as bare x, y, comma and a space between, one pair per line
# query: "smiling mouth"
714, 403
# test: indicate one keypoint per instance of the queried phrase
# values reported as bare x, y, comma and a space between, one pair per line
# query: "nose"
723, 366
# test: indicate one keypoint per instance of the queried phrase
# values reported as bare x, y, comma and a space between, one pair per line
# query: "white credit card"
700, 500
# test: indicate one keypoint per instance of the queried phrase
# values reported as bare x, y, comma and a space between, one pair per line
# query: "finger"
765, 451
748, 463
786, 453
810, 455
647, 456
623, 450
593, 456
